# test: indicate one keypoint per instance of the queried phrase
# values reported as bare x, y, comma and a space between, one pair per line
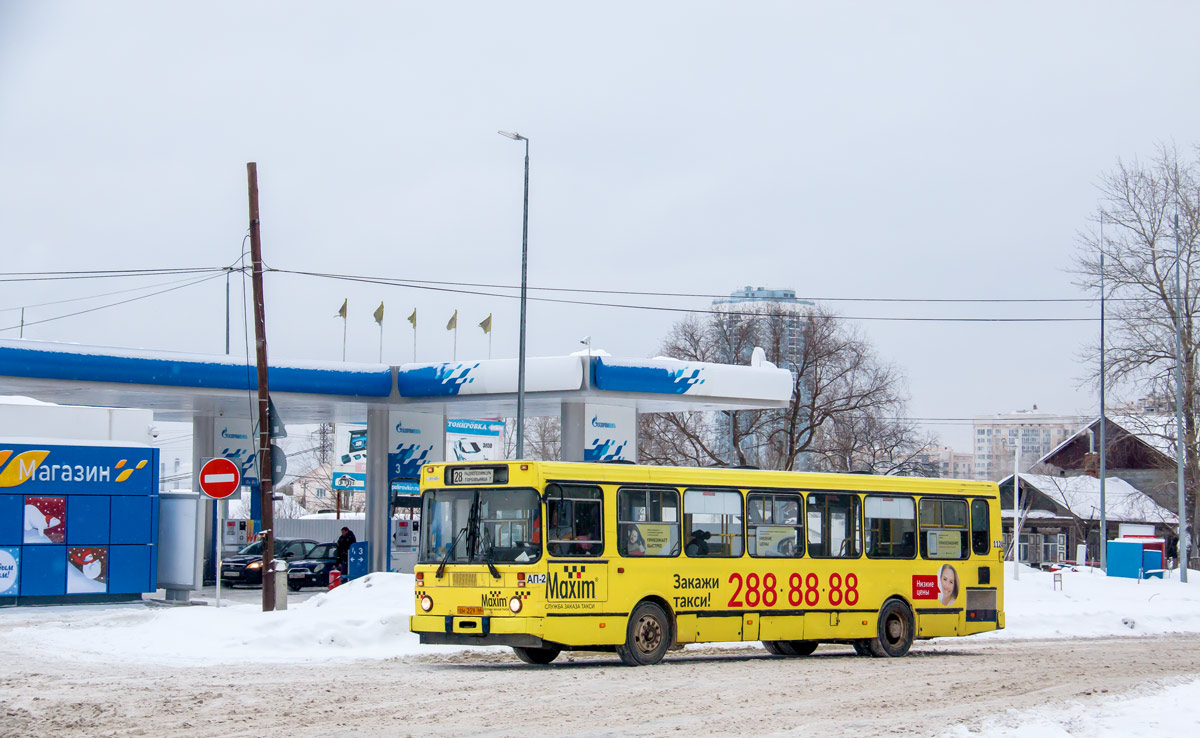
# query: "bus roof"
744, 478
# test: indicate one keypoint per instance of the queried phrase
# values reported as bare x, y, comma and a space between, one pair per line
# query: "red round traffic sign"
219, 478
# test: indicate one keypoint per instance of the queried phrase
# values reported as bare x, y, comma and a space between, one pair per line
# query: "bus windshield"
501, 526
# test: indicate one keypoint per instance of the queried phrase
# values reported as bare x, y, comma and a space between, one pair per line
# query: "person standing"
343, 548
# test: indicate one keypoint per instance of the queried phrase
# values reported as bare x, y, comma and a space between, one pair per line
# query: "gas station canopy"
180, 386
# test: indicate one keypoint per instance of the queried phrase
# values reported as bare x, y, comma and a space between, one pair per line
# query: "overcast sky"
886, 150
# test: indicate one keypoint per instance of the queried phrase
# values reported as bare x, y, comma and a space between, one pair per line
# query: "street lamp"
524, 272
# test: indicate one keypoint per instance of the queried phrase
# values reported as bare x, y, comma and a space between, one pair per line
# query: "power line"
94, 297
112, 304
659, 308
416, 283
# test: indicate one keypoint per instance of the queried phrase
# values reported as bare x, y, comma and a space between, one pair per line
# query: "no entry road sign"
219, 478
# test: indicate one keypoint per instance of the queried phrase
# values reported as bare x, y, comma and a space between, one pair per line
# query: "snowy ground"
367, 621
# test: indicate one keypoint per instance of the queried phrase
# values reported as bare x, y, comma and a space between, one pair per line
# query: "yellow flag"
486, 324
342, 310
379, 314
453, 322
413, 319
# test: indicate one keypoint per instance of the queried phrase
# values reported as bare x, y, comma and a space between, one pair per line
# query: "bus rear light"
515, 605
524, 467
426, 603
420, 578
520, 576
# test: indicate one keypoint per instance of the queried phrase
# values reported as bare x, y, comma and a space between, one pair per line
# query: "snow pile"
1092, 604
366, 618
1171, 710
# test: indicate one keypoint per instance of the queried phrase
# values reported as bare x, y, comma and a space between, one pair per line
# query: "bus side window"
834, 527
981, 539
944, 526
574, 513
891, 524
712, 522
647, 522
773, 527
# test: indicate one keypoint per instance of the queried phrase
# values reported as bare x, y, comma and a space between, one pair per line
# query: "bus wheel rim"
649, 634
895, 630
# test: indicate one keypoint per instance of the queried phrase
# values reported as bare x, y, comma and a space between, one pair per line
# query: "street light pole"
1182, 547
524, 276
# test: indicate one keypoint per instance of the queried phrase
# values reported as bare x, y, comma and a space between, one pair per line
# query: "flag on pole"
453, 322
379, 314
486, 324
413, 318
341, 313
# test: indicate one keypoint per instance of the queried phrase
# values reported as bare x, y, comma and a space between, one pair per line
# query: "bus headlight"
515, 604
426, 603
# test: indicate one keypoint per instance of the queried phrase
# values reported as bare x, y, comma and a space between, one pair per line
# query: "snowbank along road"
709, 691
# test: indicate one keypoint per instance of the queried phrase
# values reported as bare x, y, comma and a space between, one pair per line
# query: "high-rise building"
996, 438
791, 347
794, 338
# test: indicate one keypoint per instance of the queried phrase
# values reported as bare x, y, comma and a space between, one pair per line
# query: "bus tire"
647, 636
773, 648
536, 655
800, 648
895, 631
862, 648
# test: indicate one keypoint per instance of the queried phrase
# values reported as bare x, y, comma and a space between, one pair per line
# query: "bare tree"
1139, 204
846, 409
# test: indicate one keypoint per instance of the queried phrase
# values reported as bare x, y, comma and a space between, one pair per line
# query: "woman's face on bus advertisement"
947, 580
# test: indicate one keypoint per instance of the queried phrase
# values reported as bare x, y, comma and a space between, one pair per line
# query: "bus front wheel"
894, 632
537, 655
647, 637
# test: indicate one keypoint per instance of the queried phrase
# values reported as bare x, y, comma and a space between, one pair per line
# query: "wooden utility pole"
266, 497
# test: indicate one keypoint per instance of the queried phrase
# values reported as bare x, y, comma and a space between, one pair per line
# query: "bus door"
577, 572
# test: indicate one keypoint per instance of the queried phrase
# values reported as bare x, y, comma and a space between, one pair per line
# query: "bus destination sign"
478, 475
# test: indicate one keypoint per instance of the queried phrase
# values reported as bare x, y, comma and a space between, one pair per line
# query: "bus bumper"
478, 631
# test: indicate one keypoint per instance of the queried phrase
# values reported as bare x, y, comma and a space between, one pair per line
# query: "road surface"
708, 691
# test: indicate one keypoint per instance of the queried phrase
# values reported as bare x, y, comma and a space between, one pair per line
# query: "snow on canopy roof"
21, 400
1124, 503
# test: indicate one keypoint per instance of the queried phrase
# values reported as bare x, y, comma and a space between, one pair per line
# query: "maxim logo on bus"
494, 599
569, 584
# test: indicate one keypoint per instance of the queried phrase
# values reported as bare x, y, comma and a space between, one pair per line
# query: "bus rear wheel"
895, 631
773, 648
798, 648
862, 648
647, 637
536, 655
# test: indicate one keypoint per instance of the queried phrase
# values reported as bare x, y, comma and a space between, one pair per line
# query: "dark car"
313, 570
245, 566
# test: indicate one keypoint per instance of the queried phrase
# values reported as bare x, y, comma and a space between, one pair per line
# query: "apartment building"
996, 437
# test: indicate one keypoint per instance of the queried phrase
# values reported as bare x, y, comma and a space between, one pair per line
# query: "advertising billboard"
474, 440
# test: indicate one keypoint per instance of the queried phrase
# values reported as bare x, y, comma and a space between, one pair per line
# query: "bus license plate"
465, 610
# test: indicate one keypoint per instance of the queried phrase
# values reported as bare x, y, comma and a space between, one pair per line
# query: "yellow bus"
547, 556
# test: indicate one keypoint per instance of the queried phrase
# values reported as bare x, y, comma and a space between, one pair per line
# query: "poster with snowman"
45, 520
10, 570
87, 570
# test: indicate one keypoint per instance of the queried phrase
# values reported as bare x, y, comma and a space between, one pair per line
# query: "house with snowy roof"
1140, 449
1059, 512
